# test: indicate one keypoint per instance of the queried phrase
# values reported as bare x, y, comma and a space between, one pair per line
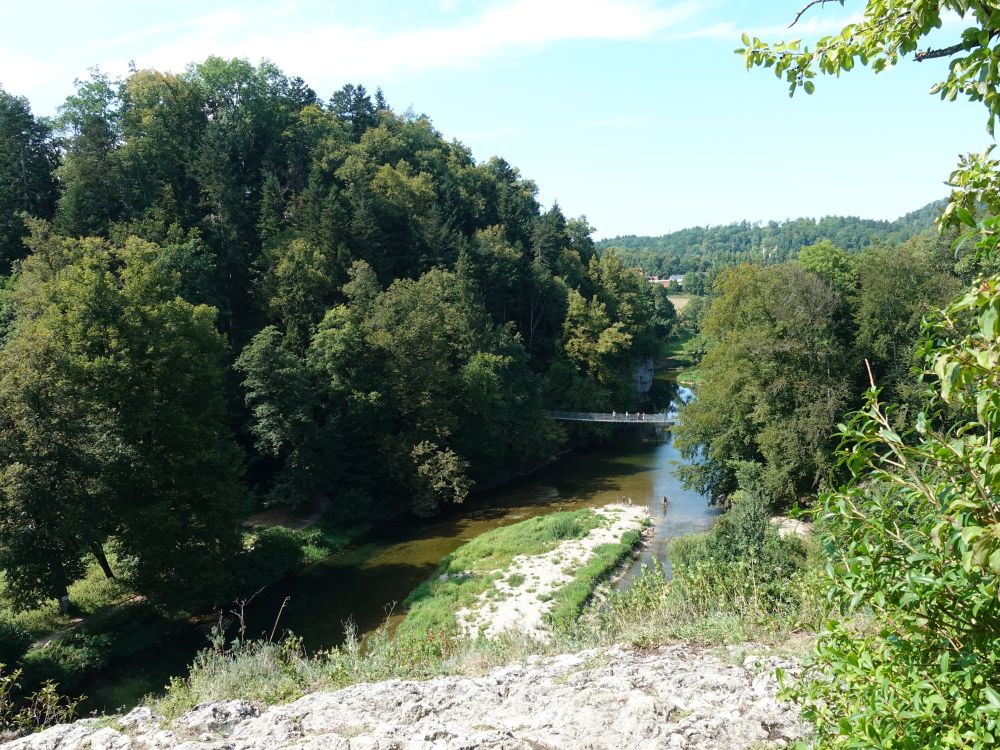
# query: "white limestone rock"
674, 697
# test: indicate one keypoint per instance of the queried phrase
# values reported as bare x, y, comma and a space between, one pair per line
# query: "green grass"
681, 354
471, 569
89, 595
571, 598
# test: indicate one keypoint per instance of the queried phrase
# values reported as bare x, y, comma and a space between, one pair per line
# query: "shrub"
67, 662
20, 714
742, 546
275, 552
913, 540
14, 643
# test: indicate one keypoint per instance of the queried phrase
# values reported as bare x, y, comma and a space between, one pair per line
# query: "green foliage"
279, 392
299, 284
775, 378
743, 539
912, 533
428, 394
113, 424
897, 288
401, 313
694, 251
38, 710
273, 553
27, 159
888, 31
912, 540
14, 642
68, 661
831, 264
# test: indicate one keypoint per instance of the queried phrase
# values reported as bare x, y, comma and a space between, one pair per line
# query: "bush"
67, 662
20, 713
14, 643
913, 542
742, 538
275, 552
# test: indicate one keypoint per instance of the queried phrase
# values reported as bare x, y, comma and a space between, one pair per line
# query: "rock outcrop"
674, 697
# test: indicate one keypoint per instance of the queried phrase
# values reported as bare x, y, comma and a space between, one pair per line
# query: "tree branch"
807, 7
930, 54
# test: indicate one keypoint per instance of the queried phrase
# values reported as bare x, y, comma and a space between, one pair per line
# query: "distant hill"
698, 248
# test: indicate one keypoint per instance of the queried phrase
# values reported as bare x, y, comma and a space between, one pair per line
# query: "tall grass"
699, 606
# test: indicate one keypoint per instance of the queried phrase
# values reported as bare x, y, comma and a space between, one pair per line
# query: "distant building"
676, 278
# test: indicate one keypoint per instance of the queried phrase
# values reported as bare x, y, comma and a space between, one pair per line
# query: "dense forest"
785, 348
698, 249
223, 292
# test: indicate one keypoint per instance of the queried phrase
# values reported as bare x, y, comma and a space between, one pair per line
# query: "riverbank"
679, 357
710, 606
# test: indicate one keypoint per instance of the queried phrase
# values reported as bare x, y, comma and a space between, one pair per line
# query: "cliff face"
674, 697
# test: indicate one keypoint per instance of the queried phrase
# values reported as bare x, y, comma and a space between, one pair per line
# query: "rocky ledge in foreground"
674, 697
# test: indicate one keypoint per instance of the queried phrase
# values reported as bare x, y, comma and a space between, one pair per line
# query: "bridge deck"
593, 416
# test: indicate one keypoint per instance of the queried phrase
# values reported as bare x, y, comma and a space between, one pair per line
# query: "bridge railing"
593, 416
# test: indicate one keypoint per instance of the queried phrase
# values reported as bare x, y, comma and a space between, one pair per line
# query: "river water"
367, 582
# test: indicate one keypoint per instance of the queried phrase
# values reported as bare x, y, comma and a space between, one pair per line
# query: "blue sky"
635, 113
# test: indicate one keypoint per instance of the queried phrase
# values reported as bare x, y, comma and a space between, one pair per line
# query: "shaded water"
367, 582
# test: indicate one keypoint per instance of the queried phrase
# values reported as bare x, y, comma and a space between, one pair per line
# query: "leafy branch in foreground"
888, 31
43, 708
914, 539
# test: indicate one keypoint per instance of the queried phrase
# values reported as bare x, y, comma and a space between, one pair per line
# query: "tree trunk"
102, 560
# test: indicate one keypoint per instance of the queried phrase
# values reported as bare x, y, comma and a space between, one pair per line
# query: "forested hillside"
699, 248
226, 292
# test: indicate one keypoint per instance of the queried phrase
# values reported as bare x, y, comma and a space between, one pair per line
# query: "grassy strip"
681, 354
471, 570
570, 600
89, 595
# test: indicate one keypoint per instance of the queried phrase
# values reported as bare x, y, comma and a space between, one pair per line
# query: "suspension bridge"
661, 419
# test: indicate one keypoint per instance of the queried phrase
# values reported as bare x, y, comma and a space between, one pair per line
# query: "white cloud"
338, 52
21, 75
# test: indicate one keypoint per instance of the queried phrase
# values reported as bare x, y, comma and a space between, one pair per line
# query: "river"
366, 582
